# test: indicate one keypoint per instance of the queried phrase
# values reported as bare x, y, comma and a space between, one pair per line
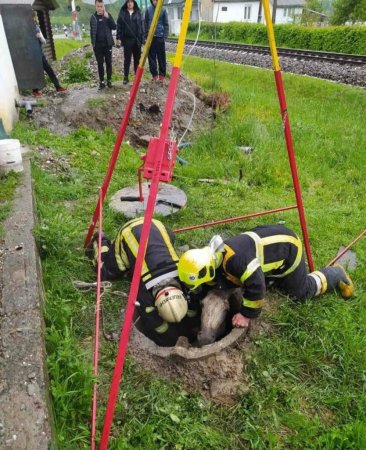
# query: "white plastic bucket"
10, 156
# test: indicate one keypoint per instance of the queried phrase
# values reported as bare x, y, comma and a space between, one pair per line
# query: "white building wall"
235, 12
175, 22
283, 15
8, 84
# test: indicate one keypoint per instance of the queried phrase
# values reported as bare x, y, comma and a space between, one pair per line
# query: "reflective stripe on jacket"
160, 260
268, 251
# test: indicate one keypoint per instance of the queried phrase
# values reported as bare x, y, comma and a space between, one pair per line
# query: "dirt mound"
83, 105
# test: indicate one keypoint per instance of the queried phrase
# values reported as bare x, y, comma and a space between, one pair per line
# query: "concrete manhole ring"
183, 349
170, 200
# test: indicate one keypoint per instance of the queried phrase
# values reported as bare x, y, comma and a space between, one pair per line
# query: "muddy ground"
83, 105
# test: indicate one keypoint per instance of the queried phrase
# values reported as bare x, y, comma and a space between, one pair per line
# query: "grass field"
65, 46
307, 374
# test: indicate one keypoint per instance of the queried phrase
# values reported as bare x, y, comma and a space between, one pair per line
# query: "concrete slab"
25, 413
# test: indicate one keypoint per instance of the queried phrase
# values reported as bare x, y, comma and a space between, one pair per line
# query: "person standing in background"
46, 65
101, 26
157, 56
130, 33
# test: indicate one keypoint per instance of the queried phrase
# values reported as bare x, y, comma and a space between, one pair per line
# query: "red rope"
97, 321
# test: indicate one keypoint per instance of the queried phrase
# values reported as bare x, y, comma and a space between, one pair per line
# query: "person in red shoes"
157, 56
46, 65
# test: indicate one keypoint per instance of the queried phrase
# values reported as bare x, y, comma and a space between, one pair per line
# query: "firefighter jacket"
266, 252
159, 264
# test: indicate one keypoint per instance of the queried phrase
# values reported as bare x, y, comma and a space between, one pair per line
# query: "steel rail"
339, 58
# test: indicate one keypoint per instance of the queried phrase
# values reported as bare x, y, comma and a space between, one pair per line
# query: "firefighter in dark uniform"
268, 254
165, 311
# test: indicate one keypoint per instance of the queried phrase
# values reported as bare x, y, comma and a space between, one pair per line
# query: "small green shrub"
89, 54
77, 71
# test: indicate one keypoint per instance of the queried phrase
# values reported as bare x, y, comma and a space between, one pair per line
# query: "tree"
348, 10
312, 12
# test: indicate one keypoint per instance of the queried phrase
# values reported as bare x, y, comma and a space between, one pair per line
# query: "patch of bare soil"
85, 106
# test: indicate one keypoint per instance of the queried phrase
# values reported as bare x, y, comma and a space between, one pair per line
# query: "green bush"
341, 39
77, 71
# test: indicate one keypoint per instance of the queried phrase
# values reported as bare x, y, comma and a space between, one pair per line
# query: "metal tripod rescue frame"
155, 168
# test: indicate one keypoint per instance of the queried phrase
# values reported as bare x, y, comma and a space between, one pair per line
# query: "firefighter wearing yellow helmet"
165, 311
266, 255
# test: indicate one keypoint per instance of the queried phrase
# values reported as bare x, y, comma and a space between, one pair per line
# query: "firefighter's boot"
333, 277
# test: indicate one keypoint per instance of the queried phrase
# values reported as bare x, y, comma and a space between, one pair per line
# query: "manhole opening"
224, 334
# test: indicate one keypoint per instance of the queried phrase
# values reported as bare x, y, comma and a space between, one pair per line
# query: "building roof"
286, 3
47, 4
36, 4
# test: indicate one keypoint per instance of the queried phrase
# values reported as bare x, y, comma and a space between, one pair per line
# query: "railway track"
339, 58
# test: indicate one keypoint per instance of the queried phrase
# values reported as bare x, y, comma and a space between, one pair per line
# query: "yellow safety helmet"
196, 267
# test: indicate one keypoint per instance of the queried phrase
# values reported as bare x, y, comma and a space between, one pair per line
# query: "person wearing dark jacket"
101, 26
46, 65
265, 255
130, 32
157, 56
165, 311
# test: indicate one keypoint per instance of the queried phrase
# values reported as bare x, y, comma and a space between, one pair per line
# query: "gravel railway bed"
346, 73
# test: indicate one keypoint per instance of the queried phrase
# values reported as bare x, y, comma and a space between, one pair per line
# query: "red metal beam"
346, 248
292, 160
234, 219
115, 153
96, 327
135, 283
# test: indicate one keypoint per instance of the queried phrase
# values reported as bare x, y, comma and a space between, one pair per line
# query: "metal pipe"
346, 249
233, 219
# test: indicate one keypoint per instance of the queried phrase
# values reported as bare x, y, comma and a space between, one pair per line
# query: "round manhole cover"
170, 199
